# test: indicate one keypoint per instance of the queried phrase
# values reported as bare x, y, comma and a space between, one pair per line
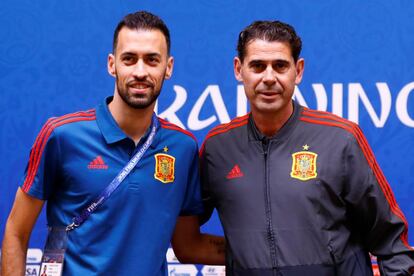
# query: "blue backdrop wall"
359, 64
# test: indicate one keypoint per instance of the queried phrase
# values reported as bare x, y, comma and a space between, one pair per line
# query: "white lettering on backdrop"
356, 94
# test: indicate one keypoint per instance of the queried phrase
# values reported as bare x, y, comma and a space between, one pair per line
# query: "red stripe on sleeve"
356, 131
40, 139
224, 128
40, 143
367, 151
235, 120
33, 153
174, 127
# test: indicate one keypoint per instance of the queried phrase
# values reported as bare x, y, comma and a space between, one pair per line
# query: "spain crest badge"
164, 167
304, 165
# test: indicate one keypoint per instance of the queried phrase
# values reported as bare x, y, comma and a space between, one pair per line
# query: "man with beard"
150, 165
298, 191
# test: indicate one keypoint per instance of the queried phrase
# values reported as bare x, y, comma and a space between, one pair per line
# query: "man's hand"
190, 246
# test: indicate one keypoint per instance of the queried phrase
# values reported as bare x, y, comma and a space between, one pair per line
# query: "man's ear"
111, 65
237, 64
170, 66
300, 67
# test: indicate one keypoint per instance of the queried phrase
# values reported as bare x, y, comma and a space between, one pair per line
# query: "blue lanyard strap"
78, 220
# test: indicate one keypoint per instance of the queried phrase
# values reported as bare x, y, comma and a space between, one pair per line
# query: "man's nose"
140, 69
269, 76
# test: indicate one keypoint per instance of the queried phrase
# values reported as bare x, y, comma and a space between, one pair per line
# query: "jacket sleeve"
205, 186
41, 173
374, 212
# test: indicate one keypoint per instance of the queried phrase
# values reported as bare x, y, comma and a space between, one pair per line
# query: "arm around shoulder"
191, 246
19, 226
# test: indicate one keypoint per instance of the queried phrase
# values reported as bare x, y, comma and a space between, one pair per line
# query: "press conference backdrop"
359, 64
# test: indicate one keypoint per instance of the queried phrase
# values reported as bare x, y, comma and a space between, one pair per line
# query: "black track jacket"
311, 200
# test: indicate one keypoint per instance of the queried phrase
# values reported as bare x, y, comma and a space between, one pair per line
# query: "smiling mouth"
268, 93
139, 87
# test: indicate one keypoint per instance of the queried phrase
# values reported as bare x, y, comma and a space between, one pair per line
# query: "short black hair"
142, 20
269, 31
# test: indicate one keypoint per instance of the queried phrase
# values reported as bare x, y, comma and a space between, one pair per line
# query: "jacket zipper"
270, 232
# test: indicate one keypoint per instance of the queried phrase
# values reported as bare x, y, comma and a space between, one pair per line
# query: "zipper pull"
265, 145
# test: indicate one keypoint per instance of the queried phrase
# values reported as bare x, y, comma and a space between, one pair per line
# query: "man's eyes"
153, 60
281, 66
277, 66
129, 59
257, 67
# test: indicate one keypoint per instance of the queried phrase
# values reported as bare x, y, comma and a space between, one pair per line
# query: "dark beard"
138, 102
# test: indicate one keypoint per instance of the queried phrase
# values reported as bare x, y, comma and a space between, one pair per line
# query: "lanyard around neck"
105, 194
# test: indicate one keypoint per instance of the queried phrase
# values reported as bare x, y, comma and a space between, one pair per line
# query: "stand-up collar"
110, 129
282, 133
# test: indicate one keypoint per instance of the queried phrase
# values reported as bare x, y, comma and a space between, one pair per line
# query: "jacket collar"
284, 131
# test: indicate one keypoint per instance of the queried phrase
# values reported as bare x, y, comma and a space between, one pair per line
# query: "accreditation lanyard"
78, 220
56, 244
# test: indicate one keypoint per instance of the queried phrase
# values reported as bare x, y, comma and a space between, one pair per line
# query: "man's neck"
270, 123
133, 122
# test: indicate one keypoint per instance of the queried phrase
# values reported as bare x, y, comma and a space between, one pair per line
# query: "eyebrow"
153, 55
255, 61
258, 61
147, 54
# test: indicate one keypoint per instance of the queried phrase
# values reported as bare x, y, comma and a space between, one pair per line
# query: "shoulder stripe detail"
234, 121
325, 118
165, 122
167, 125
225, 129
356, 131
43, 136
237, 122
